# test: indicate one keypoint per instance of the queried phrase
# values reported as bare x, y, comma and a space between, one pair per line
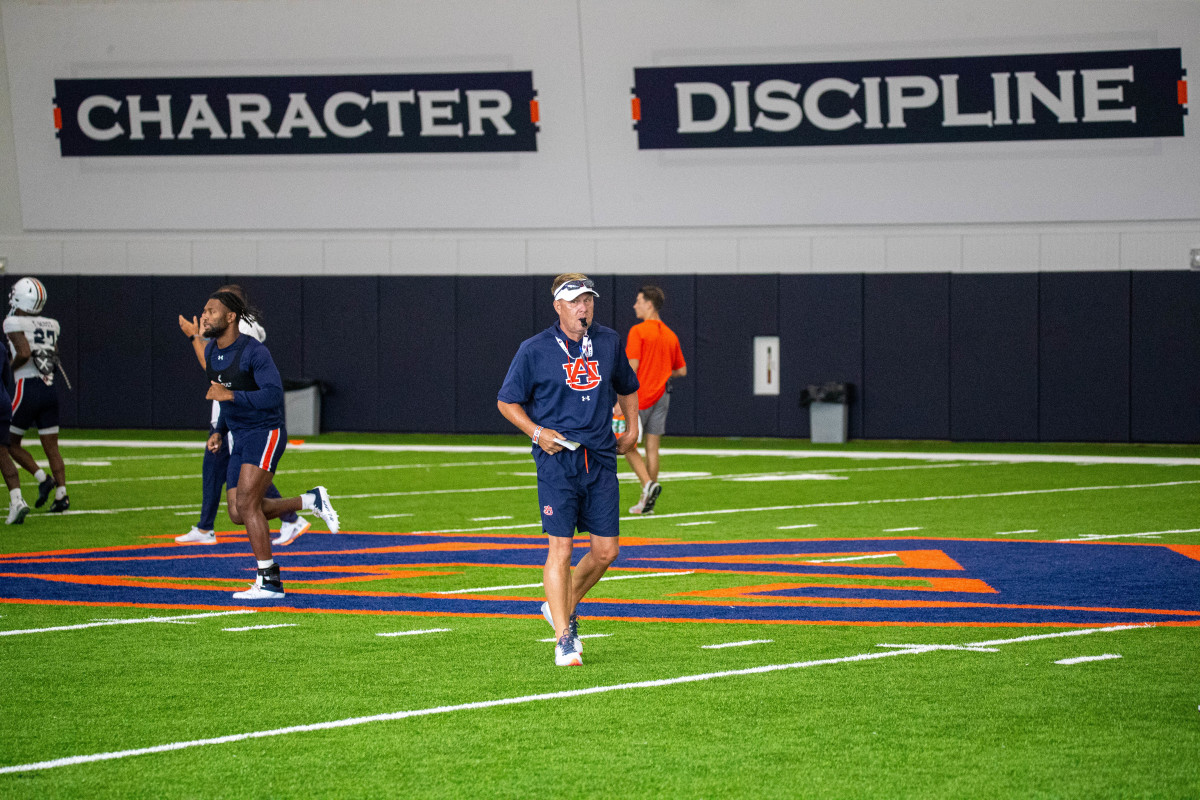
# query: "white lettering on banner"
783, 105
252, 111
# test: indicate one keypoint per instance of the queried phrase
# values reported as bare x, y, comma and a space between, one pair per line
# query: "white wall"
1058, 246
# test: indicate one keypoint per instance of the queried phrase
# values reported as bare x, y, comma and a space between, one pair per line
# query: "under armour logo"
220, 358
582, 375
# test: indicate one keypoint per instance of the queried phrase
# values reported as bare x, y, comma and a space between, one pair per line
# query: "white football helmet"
27, 294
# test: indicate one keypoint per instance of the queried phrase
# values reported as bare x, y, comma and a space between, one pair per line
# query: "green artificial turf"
940, 723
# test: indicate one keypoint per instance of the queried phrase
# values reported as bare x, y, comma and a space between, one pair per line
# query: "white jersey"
42, 335
255, 331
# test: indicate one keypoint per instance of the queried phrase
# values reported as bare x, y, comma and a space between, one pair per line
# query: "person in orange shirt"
653, 351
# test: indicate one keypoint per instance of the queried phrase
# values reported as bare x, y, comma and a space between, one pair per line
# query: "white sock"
265, 564
60, 492
14, 497
308, 501
40, 475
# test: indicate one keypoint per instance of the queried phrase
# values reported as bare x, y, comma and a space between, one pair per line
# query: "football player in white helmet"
291, 524
33, 345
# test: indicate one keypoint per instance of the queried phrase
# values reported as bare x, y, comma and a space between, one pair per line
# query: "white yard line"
415, 633
313, 471
584, 636
261, 627
735, 644
1083, 659
1013, 458
389, 516
1010, 533
899, 530
794, 527
1091, 537
539, 585
508, 701
127, 622
850, 558
1040, 636
703, 522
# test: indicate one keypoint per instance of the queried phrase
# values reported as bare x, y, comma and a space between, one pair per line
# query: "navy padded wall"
994, 357
1083, 361
281, 301
179, 382
906, 352
679, 314
736, 309
116, 358
417, 347
1165, 357
820, 340
493, 316
341, 346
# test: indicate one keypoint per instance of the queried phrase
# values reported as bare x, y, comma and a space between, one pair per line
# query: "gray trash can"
302, 407
828, 412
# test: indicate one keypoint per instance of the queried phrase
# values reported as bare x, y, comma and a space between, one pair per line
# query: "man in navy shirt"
559, 391
245, 381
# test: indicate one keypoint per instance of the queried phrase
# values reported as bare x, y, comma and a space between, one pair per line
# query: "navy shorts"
263, 448
34, 404
575, 492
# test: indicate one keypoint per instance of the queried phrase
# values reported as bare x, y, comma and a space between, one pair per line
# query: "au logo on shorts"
582, 375
548, 511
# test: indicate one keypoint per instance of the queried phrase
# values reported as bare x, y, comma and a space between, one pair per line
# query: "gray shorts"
653, 420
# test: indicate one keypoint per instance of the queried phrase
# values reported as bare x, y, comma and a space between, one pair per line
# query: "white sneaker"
259, 591
566, 654
197, 535
574, 623
324, 509
290, 531
640, 505
17, 512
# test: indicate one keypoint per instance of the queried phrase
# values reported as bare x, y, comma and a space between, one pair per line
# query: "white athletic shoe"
197, 535
323, 508
266, 586
574, 625
566, 654
290, 531
17, 512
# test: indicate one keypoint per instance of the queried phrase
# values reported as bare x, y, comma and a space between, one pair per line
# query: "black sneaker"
44, 490
60, 506
652, 493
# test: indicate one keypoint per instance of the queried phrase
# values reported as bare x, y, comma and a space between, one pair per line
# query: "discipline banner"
1086, 95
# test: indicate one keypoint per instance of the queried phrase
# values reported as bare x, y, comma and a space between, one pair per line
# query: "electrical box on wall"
766, 365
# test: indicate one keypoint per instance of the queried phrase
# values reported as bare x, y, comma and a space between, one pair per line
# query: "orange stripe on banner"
534, 113
636, 107
57, 118
1182, 93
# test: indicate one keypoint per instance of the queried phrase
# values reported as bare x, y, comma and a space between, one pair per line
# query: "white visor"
572, 289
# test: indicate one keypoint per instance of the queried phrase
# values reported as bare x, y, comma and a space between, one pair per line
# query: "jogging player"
559, 391
18, 509
216, 465
33, 345
245, 381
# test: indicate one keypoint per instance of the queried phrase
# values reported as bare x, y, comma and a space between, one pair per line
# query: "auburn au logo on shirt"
582, 375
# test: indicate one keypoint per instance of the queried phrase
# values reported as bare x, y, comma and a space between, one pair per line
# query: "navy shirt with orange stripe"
246, 367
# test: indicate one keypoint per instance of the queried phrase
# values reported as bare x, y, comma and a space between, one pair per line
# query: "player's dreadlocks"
236, 302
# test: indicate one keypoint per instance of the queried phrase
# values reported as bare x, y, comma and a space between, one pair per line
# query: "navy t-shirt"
570, 391
258, 408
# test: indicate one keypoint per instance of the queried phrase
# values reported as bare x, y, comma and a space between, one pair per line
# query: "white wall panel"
96, 257
1083, 252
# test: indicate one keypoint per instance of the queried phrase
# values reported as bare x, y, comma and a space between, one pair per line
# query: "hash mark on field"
735, 644
1082, 659
1009, 533
510, 701
794, 527
416, 633
943, 647
128, 622
539, 585
899, 530
389, 516
686, 524
489, 519
260, 627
